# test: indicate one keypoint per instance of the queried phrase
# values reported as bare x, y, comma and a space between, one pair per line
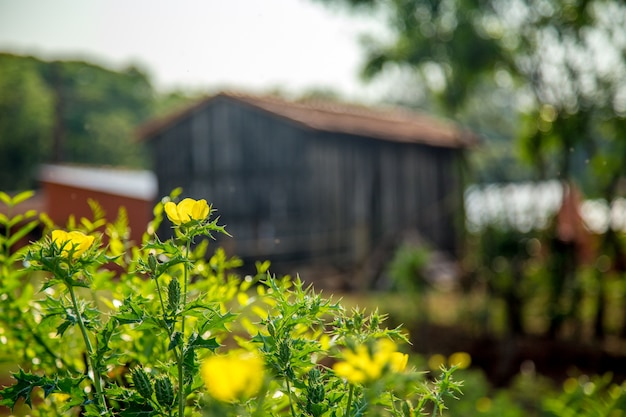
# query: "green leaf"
21, 389
21, 232
4, 197
196, 341
130, 312
189, 361
21, 197
136, 409
70, 320
26, 382
15, 220
24, 299
176, 340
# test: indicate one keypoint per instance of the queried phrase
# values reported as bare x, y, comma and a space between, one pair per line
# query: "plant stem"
293, 411
97, 380
349, 405
158, 288
181, 357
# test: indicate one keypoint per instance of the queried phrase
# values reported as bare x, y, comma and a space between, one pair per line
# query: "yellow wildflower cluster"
74, 243
186, 211
234, 376
366, 364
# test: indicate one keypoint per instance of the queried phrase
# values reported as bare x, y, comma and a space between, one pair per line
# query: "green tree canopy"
561, 63
72, 112
26, 113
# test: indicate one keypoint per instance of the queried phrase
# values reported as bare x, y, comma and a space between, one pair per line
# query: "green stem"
293, 410
349, 405
181, 357
158, 288
97, 380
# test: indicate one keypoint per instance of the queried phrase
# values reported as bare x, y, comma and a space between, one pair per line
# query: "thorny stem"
181, 358
293, 411
158, 288
97, 380
169, 330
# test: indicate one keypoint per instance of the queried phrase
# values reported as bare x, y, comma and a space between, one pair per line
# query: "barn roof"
139, 184
392, 123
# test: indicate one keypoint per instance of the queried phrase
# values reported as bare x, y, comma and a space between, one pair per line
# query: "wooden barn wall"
368, 192
285, 191
245, 162
171, 157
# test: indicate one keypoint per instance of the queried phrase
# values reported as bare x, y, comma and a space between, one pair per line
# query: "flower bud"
173, 294
142, 383
164, 391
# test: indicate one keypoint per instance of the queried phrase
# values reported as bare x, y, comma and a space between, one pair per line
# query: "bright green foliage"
99, 342
73, 112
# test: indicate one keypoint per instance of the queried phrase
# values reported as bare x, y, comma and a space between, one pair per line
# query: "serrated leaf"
130, 312
136, 409
65, 325
23, 388
199, 342
175, 340
189, 362
216, 321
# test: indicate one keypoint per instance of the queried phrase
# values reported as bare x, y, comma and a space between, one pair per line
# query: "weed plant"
95, 325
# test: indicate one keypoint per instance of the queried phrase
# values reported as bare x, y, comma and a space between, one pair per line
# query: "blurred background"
535, 286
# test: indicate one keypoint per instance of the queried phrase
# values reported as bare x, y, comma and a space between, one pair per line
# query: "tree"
85, 94
25, 122
562, 61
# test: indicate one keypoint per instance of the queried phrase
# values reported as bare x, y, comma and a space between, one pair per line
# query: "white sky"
253, 45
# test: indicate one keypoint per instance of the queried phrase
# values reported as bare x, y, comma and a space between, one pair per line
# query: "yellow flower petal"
73, 242
461, 360
187, 210
398, 361
231, 377
362, 365
200, 210
172, 212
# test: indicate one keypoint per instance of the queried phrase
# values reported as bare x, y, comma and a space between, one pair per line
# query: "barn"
67, 189
314, 182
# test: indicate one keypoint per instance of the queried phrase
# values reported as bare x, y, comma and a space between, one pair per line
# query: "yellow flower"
398, 361
461, 360
362, 366
74, 242
234, 376
186, 211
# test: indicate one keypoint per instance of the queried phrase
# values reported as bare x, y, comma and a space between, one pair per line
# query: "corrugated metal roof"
139, 184
392, 124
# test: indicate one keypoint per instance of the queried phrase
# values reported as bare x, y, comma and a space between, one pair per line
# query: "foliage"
72, 111
165, 330
407, 268
26, 120
531, 395
549, 71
